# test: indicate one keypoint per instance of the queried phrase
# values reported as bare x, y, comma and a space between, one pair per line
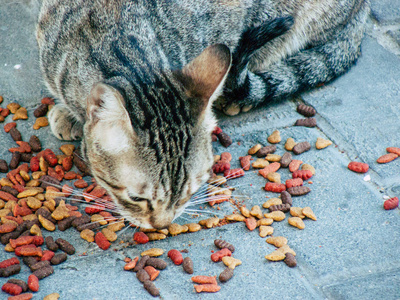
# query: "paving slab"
350, 252
386, 11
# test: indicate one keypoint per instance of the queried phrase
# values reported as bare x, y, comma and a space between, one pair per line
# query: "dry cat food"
275, 137
309, 122
188, 265
151, 288
223, 138
225, 275
301, 147
303, 174
224, 244
33, 283
290, 260
275, 187
175, 256
266, 150
387, 158
217, 256
140, 237
306, 110
209, 288
298, 190
391, 203
286, 159
358, 167
322, 143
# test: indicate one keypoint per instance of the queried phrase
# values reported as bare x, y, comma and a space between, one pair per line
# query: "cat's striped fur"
138, 79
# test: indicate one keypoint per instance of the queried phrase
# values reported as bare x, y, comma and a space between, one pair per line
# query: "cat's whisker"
199, 211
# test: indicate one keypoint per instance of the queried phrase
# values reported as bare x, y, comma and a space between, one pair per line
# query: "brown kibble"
221, 244
266, 150
41, 110
296, 222
309, 122
226, 275
284, 207
35, 143
153, 252
187, 265
275, 137
65, 246
306, 110
142, 275
40, 122
20, 114
151, 288
301, 147
3, 166
58, 258
290, 260
277, 241
322, 143
265, 230
298, 190
307, 211
286, 198
154, 262
253, 150
44, 272
15, 134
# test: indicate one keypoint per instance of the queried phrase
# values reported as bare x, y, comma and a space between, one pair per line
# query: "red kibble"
34, 164
202, 279
21, 211
394, 150
5, 112
293, 182
94, 209
217, 130
50, 157
132, 264
358, 167
217, 256
24, 296
26, 240
9, 262
275, 187
387, 158
391, 203
221, 166
101, 241
233, 173
47, 255
11, 288
48, 101
175, 256
7, 227
51, 172
81, 184
70, 175
153, 272
67, 163
210, 288
8, 126
245, 162
251, 223
226, 156
33, 283
294, 165
140, 237
28, 250
303, 174
269, 169
216, 199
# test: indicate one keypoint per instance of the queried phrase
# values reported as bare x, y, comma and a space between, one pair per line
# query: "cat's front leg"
63, 124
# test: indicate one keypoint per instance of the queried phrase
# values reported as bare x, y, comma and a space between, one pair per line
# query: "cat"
137, 81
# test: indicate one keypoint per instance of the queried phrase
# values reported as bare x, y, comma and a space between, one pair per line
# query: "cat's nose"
161, 221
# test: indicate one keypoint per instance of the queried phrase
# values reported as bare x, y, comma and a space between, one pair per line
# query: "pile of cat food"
41, 192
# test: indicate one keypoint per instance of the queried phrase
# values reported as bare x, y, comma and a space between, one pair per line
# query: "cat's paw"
231, 109
63, 125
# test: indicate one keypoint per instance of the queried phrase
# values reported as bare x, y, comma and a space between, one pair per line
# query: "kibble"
44, 272
15, 134
224, 244
151, 288
266, 150
188, 265
286, 159
391, 203
322, 143
307, 211
275, 137
217, 256
210, 288
358, 167
277, 241
272, 201
309, 122
298, 190
175, 256
306, 110
224, 139
265, 230
65, 246
387, 158
301, 147
290, 143
226, 275
155, 262
290, 260
280, 207
253, 150
296, 222
33, 283
153, 252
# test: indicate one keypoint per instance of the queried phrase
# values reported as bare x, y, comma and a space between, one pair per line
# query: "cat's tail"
304, 70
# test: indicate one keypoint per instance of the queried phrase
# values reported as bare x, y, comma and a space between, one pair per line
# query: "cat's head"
150, 146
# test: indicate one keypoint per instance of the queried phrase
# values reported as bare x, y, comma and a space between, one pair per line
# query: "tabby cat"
137, 79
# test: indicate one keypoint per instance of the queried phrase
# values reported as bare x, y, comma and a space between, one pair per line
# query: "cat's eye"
137, 199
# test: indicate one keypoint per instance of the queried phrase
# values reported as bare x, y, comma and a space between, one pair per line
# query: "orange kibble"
387, 158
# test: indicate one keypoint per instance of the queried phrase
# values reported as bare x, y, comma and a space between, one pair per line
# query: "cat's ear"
204, 76
108, 118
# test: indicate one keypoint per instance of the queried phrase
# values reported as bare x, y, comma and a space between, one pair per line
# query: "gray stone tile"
386, 11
